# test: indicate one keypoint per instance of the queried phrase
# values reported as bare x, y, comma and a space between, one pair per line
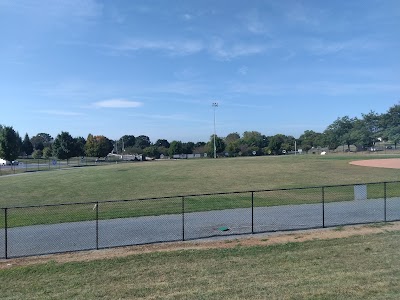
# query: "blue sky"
155, 67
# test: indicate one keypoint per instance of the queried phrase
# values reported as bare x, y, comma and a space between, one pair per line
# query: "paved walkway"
43, 239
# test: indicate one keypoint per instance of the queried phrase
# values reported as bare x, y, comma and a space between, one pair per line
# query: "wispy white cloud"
60, 113
243, 70
117, 103
174, 47
323, 47
224, 51
254, 23
187, 17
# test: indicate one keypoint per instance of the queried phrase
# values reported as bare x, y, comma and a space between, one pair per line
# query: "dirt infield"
390, 163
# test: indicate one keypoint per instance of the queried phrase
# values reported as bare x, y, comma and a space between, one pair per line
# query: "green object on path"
223, 228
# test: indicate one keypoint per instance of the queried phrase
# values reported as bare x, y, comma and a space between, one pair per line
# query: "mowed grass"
363, 267
183, 177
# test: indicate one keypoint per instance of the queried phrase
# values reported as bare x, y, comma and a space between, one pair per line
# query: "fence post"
97, 225
323, 207
183, 218
252, 212
5, 234
384, 201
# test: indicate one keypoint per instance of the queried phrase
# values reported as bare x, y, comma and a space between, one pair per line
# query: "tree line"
362, 132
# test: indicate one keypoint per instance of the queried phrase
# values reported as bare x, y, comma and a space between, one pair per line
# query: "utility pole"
215, 105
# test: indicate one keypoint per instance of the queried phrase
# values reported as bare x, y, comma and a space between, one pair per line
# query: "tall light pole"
215, 105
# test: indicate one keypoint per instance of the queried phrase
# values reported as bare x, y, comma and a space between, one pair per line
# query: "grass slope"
352, 268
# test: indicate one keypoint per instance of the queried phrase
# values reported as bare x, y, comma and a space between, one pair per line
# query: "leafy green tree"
394, 135
275, 144
372, 123
310, 139
219, 146
9, 143
142, 141
391, 118
27, 146
126, 141
64, 146
336, 134
98, 146
163, 151
151, 151
232, 137
162, 143
253, 139
79, 149
187, 148
232, 143
175, 148
41, 140
37, 154
47, 152
233, 147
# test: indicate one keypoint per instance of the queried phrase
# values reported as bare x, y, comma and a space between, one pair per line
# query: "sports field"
183, 177
364, 266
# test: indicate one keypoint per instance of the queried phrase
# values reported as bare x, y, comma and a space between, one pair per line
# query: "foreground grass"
171, 178
363, 267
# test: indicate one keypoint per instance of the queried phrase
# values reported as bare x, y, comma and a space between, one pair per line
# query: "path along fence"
37, 230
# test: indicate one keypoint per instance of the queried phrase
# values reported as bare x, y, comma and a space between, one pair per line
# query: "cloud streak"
117, 103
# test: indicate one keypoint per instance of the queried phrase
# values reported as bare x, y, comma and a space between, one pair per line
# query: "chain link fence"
48, 164
37, 230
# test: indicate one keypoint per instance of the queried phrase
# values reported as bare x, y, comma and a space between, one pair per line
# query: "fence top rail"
194, 195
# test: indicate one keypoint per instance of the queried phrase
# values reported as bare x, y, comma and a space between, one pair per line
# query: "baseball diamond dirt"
391, 163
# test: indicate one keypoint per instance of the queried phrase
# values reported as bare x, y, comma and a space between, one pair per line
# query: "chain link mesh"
2, 234
50, 229
140, 222
287, 209
393, 201
84, 226
355, 204
217, 215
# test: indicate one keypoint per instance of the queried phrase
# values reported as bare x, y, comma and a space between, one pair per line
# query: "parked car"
15, 162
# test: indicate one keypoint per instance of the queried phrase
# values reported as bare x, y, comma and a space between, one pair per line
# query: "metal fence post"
5, 234
384, 201
323, 207
97, 225
252, 212
183, 218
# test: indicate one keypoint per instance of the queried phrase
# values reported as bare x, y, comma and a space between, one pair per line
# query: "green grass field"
361, 267
183, 177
